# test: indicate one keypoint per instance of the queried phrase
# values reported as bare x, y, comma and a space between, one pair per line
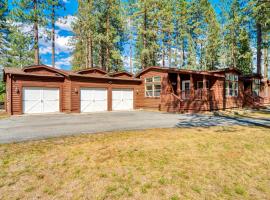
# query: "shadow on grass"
197, 120
256, 118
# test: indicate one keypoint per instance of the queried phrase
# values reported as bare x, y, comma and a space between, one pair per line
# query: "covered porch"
190, 86
191, 91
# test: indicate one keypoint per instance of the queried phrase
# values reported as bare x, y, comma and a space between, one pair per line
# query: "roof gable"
153, 68
123, 74
43, 69
92, 71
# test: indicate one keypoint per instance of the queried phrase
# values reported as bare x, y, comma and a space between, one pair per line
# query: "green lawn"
198, 163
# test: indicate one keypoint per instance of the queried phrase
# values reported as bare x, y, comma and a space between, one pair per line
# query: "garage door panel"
32, 107
93, 99
122, 99
31, 94
51, 94
51, 106
40, 100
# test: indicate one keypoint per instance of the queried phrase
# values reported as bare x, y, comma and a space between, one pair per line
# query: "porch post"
204, 82
191, 87
178, 85
204, 92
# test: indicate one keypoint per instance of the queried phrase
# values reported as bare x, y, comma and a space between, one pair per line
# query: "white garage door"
40, 100
122, 99
93, 99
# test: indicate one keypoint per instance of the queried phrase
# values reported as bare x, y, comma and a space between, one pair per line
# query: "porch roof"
216, 73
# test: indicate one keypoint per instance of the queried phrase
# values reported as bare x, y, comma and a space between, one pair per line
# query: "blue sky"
63, 36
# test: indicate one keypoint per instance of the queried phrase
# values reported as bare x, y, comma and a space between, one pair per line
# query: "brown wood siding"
151, 102
41, 71
66, 100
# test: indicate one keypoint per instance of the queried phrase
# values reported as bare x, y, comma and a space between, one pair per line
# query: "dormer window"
231, 86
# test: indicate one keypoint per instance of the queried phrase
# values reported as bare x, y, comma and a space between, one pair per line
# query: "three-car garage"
43, 89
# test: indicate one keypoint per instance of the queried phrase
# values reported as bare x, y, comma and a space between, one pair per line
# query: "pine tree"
85, 31
19, 51
212, 38
3, 28
165, 21
181, 18
53, 6
147, 47
30, 12
261, 15
99, 34
245, 53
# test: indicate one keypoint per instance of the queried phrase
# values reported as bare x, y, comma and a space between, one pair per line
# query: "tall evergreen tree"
212, 39
19, 51
99, 32
146, 18
181, 18
3, 27
30, 12
53, 6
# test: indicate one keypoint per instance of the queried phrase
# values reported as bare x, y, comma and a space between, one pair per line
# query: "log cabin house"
43, 89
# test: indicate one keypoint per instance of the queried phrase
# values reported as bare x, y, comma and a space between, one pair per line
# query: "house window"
256, 87
231, 85
200, 84
153, 86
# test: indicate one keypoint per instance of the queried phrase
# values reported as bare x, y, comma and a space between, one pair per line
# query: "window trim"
152, 84
228, 82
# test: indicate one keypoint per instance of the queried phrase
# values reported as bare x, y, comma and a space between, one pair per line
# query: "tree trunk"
90, 51
259, 47
107, 62
53, 35
144, 35
170, 55
265, 62
163, 55
36, 48
130, 57
87, 53
183, 53
144, 27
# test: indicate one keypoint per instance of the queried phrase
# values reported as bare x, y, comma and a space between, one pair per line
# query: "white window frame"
183, 85
233, 80
152, 83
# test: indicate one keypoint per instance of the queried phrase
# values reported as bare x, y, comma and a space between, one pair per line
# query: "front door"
185, 89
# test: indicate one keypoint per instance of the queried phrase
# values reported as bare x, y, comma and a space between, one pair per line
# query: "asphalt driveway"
32, 127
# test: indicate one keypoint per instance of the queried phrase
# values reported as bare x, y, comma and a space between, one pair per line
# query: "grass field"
198, 163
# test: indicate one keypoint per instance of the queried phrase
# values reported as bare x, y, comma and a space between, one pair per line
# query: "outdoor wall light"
110, 82
76, 90
17, 90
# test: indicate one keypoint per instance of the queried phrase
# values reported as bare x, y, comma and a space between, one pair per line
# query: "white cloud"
65, 23
61, 45
63, 62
